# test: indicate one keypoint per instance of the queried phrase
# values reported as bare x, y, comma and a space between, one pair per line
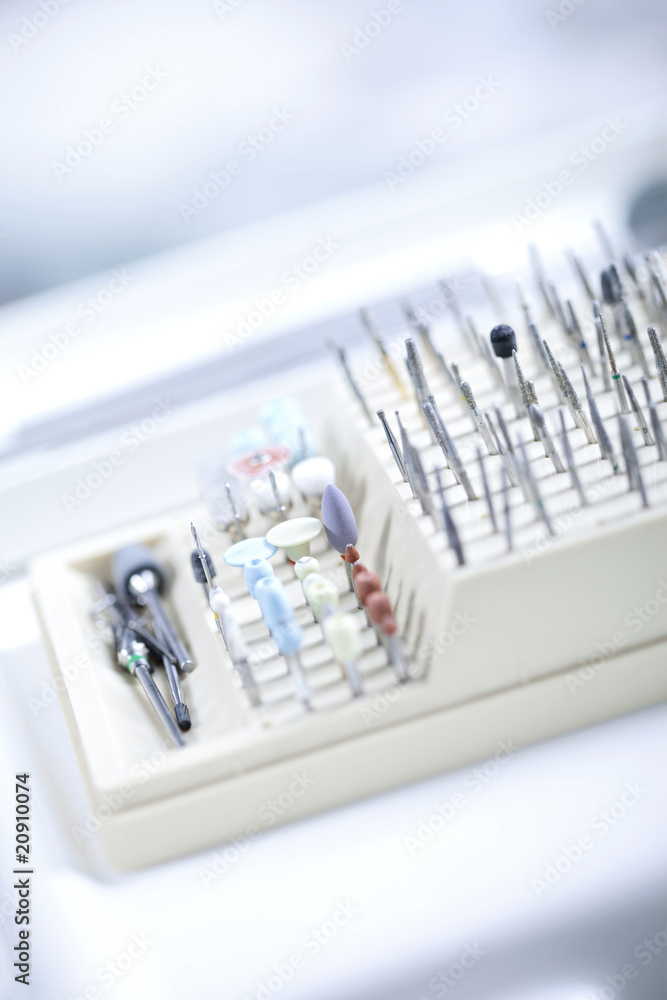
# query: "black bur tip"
503, 341
182, 717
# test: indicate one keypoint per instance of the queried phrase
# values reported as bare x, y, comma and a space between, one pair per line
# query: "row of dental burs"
144, 637
616, 363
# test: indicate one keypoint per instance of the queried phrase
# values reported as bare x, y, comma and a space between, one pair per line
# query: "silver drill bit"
448, 446
580, 413
280, 506
632, 273
580, 270
656, 426
558, 309
506, 509
415, 470
507, 458
503, 342
342, 359
487, 491
530, 390
238, 519
601, 334
374, 334
533, 489
421, 483
440, 433
525, 396
181, 710
660, 360
631, 335
559, 383
538, 345
578, 337
478, 418
635, 479
659, 294
471, 335
569, 458
637, 410
134, 657
206, 569
604, 441
549, 447
450, 529
616, 379
416, 370
423, 330
393, 445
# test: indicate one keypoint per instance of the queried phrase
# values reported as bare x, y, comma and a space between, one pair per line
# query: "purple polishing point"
338, 519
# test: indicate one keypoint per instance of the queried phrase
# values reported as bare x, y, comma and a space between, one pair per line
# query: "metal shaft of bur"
540, 281
478, 418
637, 410
280, 506
534, 490
356, 391
449, 526
487, 492
581, 417
658, 432
153, 694
660, 360
578, 335
513, 391
168, 634
569, 458
455, 463
616, 379
506, 457
604, 441
507, 510
635, 478
632, 336
423, 330
538, 345
631, 271
181, 710
238, 520
416, 371
659, 294
393, 445
580, 270
656, 426
525, 396
601, 334
415, 470
511, 454
549, 446
371, 330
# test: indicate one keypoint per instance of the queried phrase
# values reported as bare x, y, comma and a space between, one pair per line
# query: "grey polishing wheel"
131, 559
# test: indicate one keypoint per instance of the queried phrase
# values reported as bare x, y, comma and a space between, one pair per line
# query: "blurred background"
166, 166
355, 108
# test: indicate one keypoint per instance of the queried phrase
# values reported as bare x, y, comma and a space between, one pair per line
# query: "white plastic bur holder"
492, 647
